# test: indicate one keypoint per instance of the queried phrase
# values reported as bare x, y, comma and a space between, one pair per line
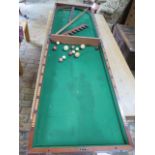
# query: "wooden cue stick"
72, 21
71, 13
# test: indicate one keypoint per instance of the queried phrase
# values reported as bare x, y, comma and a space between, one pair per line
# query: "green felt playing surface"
77, 104
61, 18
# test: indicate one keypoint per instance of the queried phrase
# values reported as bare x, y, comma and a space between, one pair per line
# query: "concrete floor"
37, 12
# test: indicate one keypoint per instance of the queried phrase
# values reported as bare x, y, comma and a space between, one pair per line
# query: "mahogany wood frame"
69, 40
75, 40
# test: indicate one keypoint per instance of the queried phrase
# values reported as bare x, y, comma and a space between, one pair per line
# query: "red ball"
54, 48
70, 53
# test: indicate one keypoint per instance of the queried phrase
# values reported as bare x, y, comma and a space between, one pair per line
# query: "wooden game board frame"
69, 40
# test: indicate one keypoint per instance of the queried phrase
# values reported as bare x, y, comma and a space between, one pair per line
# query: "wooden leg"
20, 68
27, 35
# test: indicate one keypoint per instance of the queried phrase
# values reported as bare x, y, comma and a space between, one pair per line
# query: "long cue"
71, 13
72, 21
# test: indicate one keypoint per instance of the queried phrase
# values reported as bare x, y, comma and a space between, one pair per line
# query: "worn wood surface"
124, 80
125, 37
24, 25
128, 35
20, 68
130, 21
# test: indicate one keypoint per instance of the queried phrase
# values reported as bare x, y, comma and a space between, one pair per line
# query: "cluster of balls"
74, 50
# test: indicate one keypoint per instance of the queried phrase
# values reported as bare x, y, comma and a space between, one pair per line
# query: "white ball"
73, 51
82, 46
57, 42
77, 54
66, 47
64, 57
77, 48
73, 46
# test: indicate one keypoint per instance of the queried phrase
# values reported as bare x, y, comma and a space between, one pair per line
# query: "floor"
37, 13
